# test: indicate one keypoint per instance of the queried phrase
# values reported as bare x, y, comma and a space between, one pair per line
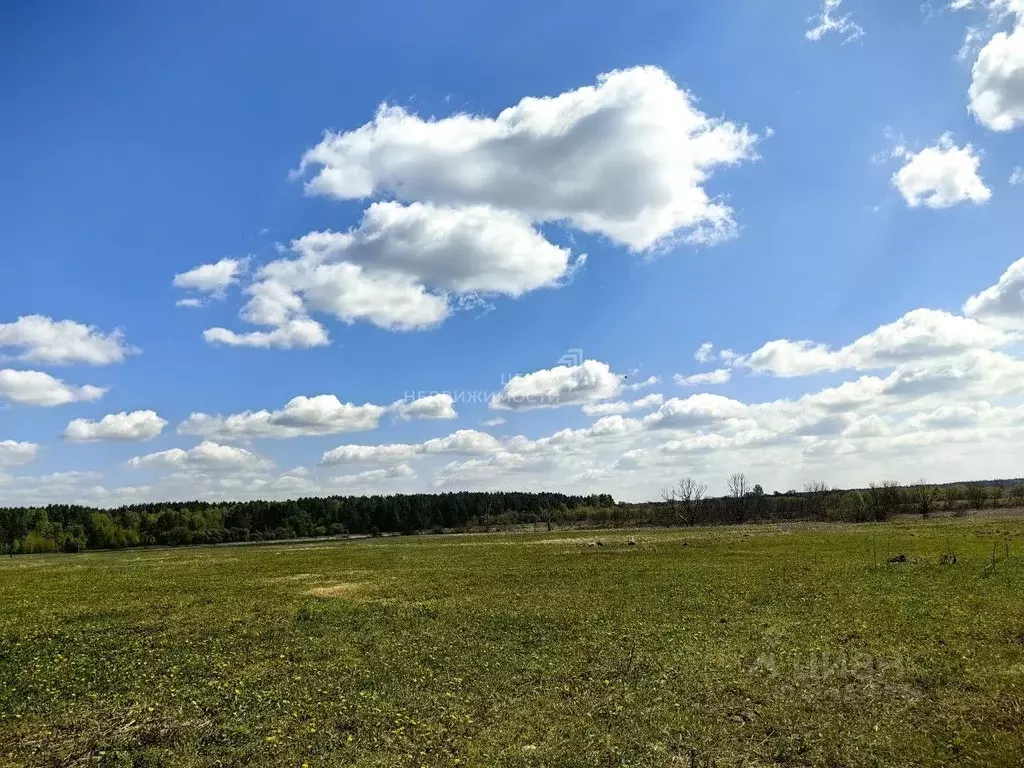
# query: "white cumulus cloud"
467, 442
695, 411
213, 279
464, 441
370, 454
997, 80
562, 385
14, 453
470, 249
940, 176
398, 269
920, 334
301, 417
626, 158
45, 340
437, 406
206, 457
42, 389
1002, 304
137, 426
293, 334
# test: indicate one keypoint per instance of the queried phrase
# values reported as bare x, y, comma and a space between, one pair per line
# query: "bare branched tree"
817, 494
691, 495
738, 486
685, 500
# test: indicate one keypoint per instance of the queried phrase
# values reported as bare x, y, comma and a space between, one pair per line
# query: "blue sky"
145, 141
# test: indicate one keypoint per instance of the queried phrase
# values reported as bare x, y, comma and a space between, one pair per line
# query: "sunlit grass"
781, 645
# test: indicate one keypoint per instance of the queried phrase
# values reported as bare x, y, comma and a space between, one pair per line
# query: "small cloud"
650, 381
941, 175
826, 22
213, 279
720, 376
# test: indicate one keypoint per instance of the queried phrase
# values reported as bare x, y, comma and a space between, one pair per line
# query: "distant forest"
71, 528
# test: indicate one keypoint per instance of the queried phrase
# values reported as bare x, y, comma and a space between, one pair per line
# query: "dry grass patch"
337, 589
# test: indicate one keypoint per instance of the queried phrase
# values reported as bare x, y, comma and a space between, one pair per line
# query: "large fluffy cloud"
562, 385
472, 249
997, 80
940, 176
45, 340
137, 426
396, 270
627, 158
386, 298
38, 388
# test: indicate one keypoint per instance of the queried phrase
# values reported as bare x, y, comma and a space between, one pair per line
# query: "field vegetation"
796, 644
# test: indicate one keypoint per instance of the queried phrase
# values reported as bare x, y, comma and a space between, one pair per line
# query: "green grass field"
756, 646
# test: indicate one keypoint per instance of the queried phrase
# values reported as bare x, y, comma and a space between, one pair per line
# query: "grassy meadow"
793, 645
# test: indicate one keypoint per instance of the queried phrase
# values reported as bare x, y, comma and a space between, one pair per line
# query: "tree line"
687, 502
73, 528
